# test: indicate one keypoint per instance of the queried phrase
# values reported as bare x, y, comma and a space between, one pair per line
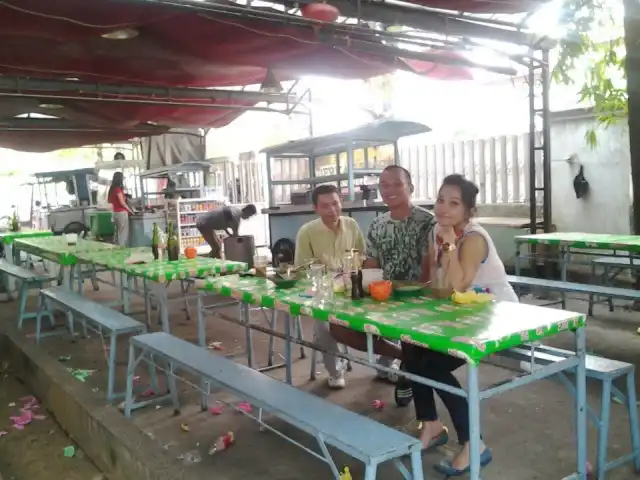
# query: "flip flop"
438, 441
445, 467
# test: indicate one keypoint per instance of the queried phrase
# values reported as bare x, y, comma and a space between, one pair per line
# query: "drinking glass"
440, 285
260, 263
307, 266
317, 271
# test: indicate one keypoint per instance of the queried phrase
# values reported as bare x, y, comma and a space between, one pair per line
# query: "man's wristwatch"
448, 247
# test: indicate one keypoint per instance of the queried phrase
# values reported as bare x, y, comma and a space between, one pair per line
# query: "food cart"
191, 197
70, 214
102, 226
351, 160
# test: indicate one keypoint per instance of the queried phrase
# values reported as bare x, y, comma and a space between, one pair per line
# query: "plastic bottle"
222, 443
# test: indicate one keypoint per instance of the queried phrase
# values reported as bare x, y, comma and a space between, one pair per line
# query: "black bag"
580, 184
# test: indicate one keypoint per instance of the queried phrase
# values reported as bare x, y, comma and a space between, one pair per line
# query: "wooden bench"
570, 287
331, 425
105, 322
28, 279
605, 371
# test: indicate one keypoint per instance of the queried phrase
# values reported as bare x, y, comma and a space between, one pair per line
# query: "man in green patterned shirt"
398, 239
396, 242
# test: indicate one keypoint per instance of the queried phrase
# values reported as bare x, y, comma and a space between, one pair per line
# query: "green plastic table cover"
58, 250
7, 238
161, 270
471, 332
598, 241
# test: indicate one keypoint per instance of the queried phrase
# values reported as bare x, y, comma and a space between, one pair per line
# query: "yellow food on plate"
470, 297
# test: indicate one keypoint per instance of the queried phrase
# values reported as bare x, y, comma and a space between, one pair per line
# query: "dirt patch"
37, 451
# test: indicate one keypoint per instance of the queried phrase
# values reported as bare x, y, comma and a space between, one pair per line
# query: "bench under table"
362, 438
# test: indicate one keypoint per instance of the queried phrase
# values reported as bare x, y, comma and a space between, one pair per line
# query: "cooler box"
101, 224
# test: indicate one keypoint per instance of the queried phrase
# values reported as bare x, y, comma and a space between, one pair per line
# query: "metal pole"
416, 16
396, 153
532, 149
546, 144
269, 185
350, 176
21, 84
137, 101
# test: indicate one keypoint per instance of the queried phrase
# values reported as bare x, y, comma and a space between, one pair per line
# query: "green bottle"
173, 245
155, 241
15, 224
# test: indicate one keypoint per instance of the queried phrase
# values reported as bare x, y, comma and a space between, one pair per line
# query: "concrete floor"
530, 430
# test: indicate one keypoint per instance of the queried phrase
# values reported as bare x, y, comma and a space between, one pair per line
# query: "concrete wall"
607, 208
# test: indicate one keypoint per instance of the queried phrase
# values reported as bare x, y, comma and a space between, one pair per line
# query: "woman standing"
121, 210
461, 255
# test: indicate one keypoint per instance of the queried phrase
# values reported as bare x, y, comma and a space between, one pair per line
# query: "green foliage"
604, 84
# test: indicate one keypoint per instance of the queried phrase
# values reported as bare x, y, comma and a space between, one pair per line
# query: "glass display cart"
181, 194
351, 160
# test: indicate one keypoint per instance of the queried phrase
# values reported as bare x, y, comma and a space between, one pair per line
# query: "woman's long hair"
116, 182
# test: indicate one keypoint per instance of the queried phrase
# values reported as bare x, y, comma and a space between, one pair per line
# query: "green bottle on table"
173, 245
155, 242
15, 224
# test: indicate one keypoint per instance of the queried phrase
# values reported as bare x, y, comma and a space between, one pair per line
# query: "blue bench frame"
28, 280
362, 438
563, 287
606, 371
108, 321
618, 264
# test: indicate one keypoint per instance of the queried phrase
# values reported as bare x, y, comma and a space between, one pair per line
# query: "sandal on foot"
403, 393
445, 467
438, 441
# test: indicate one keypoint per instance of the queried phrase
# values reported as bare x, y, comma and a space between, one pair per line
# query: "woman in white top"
462, 255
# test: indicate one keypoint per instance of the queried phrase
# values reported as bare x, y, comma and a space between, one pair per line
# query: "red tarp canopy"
62, 39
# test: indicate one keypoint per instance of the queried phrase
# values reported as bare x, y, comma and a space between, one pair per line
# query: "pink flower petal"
245, 407
217, 410
18, 426
147, 393
39, 417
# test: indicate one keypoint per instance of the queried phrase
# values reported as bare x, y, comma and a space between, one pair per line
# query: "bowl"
381, 290
71, 238
283, 283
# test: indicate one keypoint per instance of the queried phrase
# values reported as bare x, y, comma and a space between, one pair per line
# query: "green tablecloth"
468, 331
161, 270
598, 241
7, 238
58, 250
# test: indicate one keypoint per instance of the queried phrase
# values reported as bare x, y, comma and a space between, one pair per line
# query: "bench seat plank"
545, 354
626, 293
21, 272
105, 316
618, 261
340, 427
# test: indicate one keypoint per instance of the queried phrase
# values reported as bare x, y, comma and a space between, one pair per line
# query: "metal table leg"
581, 405
473, 389
160, 293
